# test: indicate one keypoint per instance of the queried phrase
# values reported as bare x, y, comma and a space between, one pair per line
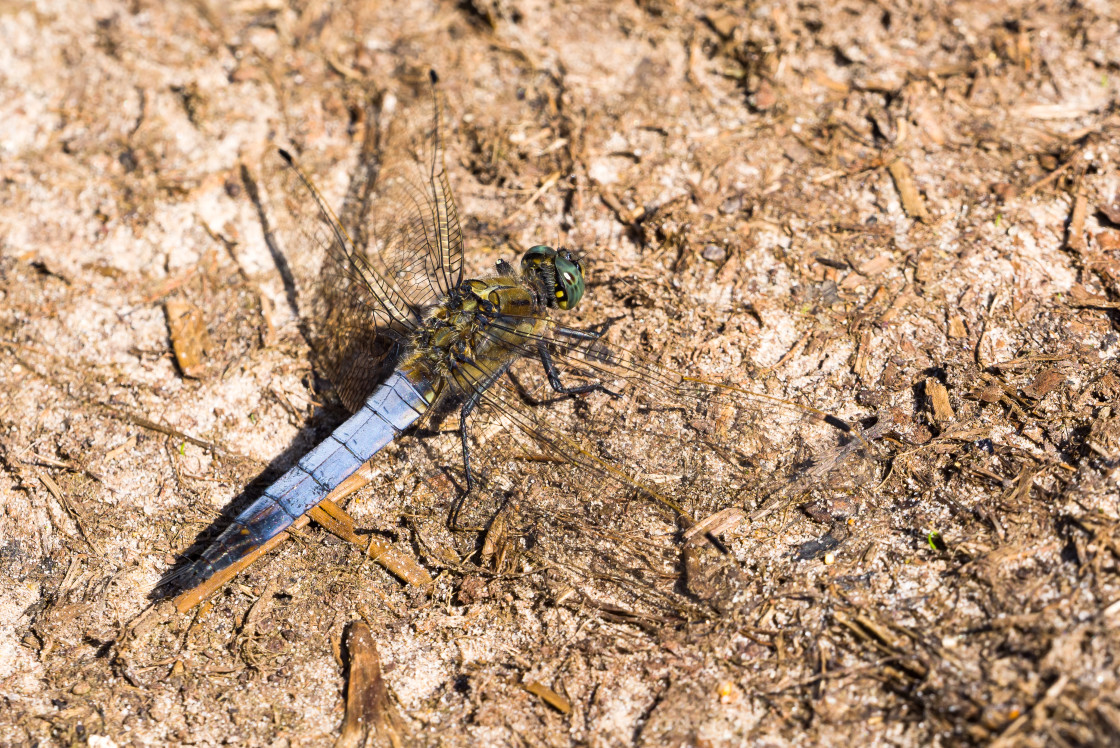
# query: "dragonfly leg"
468, 406
571, 332
554, 375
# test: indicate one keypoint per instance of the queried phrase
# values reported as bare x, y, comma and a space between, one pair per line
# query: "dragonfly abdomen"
393, 407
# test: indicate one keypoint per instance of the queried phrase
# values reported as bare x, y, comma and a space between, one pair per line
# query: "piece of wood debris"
912, 201
876, 264
938, 396
625, 215
716, 524
1079, 296
1075, 239
370, 717
1054, 111
333, 518
497, 545
956, 327
859, 368
1044, 383
189, 339
550, 697
831, 84
120, 449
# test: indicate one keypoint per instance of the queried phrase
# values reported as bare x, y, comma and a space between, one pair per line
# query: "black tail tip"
433, 76
184, 576
286, 156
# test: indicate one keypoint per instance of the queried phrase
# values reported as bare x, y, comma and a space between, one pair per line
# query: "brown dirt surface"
907, 214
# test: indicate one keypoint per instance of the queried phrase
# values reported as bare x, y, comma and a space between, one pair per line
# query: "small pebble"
81, 688
829, 559
869, 398
714, 253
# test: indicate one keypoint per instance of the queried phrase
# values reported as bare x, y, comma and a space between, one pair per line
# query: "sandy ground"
907, 214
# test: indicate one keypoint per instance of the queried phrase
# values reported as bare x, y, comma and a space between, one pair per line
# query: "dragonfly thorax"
481, 325
557, 276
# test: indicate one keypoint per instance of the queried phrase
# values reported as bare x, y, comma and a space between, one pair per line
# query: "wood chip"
912, 201
956, 327
333, 518
1108, 240
852, 281
1044, 383
876, 265
1054, 111
859, 368
717, 523
120, 449
1079, 296
497, 545
370, 717
189, 338
1075, 239
625, 215
830, 83
939, 399
550, 697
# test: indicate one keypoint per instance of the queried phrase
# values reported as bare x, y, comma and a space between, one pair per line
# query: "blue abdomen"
393, 407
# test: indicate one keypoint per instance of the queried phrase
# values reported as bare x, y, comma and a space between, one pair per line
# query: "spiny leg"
468, 407
571, 332
554, 375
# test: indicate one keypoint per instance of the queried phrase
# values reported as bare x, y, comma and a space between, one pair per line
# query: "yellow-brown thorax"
460, 344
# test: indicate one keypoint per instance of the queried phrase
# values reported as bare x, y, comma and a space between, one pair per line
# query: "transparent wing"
358, 311
677, 436
306, 224
418, 242
398, 252
607, 487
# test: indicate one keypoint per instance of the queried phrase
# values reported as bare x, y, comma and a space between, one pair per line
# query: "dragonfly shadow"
290, 290
181, 573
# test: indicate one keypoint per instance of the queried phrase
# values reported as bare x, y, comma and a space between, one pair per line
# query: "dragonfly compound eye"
569, 282
556, 269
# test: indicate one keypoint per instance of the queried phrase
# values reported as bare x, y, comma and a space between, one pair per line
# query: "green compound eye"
565, 273
569, 278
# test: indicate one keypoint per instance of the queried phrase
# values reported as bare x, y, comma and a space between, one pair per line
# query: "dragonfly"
577, 418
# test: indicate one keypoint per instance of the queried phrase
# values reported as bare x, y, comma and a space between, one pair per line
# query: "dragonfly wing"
680, 417
358, 313
416, 225
399, 253
615, 479
306, 225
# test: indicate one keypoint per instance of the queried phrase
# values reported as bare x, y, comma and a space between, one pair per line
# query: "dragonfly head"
556, 273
